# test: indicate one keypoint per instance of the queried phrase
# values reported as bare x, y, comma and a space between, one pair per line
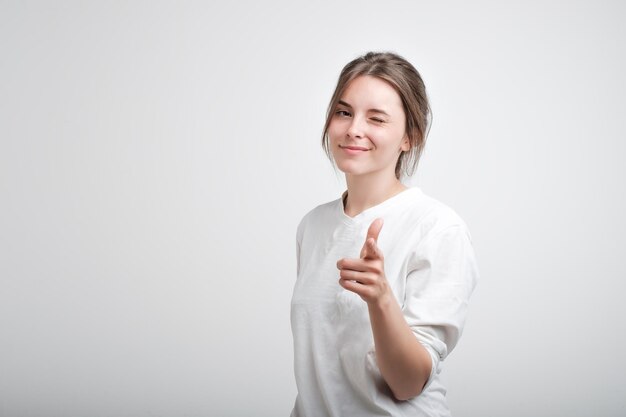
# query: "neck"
365, 191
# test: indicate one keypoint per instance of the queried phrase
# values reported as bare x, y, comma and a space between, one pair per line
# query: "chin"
348, 168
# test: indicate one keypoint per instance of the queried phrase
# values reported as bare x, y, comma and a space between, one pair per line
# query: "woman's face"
367, 128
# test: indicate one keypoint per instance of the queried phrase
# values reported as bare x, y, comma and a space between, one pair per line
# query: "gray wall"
156, 157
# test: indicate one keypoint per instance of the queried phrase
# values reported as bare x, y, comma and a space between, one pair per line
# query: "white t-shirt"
429, 264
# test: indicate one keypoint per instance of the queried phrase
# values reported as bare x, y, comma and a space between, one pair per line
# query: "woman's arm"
403, 362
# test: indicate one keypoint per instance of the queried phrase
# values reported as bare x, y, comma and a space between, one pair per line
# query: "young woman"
385, 272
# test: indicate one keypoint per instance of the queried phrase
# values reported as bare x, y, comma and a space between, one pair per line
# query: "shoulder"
442, 238
433, 217
433, 213
318, 217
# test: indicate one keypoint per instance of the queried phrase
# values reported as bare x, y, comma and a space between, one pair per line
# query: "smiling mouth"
354, 148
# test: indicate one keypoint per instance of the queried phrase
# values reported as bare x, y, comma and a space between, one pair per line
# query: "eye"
343, 113
377, 120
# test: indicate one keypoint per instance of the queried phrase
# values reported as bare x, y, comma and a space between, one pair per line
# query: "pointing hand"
366, 276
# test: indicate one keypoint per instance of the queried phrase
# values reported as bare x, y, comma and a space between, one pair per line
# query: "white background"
156, 158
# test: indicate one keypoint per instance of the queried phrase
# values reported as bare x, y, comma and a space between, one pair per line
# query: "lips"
354, 148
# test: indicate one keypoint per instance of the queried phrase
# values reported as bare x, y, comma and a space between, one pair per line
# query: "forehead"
367, 91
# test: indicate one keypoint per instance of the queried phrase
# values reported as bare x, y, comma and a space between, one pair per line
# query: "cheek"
334, 131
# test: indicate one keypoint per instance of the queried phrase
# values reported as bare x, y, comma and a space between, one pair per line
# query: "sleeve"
441, 278
297, 256
299, 236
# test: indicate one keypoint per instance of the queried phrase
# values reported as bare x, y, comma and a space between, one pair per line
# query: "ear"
406, 144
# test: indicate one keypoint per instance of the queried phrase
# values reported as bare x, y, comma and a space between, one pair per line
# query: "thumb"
371, 250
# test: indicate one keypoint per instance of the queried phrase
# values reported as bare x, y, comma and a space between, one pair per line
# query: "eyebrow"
343, 103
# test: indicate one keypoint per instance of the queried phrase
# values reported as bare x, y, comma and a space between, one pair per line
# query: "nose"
355, 130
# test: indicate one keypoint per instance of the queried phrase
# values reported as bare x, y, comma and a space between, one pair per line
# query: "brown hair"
405, 79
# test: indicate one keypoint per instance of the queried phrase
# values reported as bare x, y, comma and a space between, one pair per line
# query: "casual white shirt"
430, 265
